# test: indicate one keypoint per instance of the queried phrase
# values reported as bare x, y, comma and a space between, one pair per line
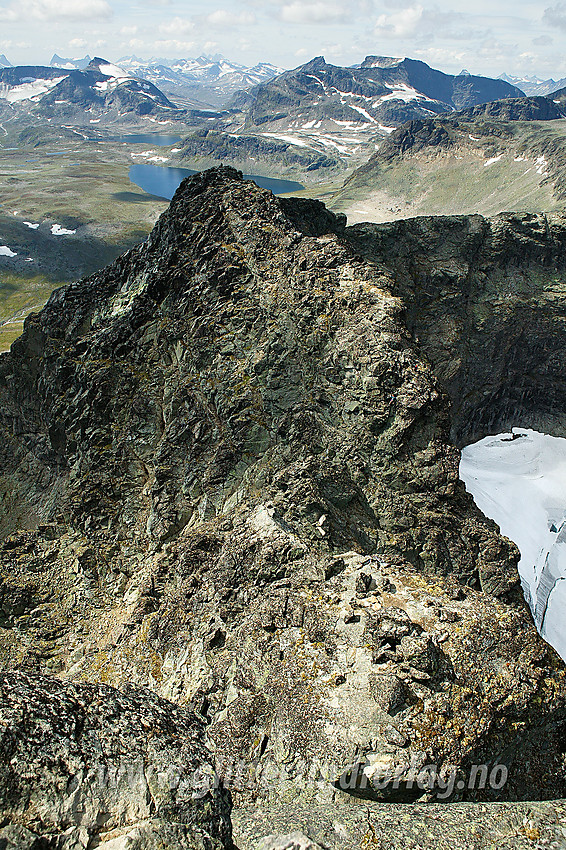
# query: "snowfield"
28, 89
7, 252
58, 230
519, 481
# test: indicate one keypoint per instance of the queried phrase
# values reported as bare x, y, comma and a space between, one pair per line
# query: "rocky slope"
254, 153
103, 768
516, 109
505, 155
230, 474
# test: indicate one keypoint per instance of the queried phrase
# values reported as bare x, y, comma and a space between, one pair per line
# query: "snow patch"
7, 252
541, 164
31, 225
113, 71
289, 139
58, 230
492, 160
519, 481
401, 91
363, 112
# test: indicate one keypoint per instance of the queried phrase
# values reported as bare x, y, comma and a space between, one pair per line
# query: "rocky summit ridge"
229, 485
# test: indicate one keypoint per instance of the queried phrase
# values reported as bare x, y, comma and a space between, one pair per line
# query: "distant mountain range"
382, 91
534, 85
208, 80
81, 95
70, 64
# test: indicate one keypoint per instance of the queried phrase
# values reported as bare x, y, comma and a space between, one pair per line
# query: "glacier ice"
519, 480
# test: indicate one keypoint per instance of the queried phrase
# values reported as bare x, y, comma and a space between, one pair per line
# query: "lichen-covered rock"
292, 841
86, 762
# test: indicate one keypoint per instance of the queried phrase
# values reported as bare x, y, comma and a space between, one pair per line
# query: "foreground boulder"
86, 762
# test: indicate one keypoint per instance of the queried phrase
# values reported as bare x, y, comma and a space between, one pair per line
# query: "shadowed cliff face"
232, 453
486, 301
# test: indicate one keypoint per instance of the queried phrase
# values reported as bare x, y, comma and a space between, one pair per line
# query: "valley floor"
67, 208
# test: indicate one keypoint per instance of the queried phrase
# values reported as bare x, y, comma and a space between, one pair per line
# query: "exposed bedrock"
86, 765
231, 457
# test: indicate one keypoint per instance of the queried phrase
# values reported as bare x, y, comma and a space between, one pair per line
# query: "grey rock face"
80, 762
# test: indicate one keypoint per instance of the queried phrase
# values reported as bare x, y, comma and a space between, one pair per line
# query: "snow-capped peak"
114, 71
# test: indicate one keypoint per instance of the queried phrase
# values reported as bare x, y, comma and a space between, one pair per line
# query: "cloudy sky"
513, 36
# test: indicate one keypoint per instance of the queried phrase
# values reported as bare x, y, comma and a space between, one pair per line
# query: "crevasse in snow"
519, 480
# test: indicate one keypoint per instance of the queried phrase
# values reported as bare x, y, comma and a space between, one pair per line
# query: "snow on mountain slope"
519, 481
102, 86
29, 88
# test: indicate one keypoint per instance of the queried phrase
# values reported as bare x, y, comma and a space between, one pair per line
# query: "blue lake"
163, 182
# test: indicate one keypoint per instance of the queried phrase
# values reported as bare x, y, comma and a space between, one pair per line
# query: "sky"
486, 37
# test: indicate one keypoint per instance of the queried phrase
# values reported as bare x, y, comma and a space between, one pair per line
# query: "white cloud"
55, 10
556, 16
418, 22
173, 46
401, 24
440, 56
221, 18
176, 26
8, 44
321, 11
79, 43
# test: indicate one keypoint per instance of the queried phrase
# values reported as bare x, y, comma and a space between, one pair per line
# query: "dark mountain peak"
95, 63
313, 64
382, 90
558, 96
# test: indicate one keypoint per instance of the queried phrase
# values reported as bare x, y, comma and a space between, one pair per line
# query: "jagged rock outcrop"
244, 359
515, 109
229, 473
86, 765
